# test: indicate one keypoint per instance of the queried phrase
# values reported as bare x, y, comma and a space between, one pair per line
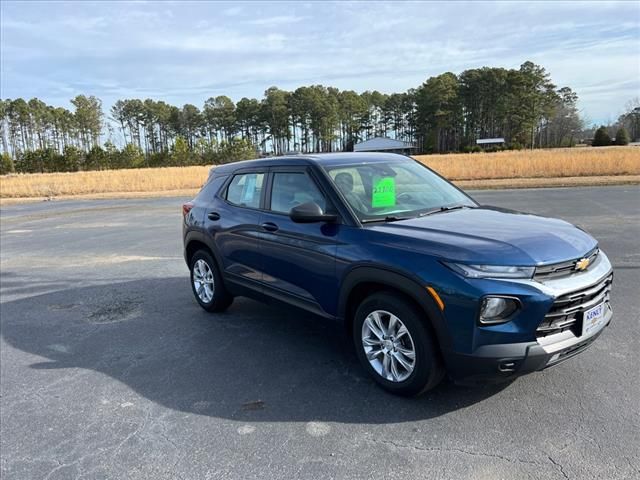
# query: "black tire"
428, 370
221, 297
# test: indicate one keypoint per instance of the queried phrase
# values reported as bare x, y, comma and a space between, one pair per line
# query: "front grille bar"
580, 307
585, 293
567, 309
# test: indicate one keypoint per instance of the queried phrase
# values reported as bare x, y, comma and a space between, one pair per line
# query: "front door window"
294, 188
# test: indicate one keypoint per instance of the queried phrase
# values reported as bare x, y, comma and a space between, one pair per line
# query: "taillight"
186, 208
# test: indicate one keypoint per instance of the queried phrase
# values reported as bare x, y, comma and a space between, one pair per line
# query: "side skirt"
239, 286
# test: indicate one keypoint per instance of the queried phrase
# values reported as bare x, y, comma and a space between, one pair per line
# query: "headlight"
491, 271
497, 309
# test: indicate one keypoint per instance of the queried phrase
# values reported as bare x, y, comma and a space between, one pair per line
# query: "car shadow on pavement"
253, 362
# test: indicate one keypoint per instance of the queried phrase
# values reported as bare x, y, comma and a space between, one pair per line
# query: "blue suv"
427, 281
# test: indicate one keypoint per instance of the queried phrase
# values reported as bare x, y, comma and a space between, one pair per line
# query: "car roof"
322, 159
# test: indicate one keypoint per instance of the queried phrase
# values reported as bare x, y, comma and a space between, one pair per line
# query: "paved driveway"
109, 369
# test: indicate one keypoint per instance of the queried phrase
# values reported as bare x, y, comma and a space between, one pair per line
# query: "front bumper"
503, 361
496, 363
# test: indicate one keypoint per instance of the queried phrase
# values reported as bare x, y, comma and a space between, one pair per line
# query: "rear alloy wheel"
395, 345
203, 282
207, 284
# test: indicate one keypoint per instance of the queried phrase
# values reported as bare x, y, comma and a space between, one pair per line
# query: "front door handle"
270, 227
213, 216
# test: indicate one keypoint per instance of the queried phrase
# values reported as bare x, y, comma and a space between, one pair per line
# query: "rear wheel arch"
195, 241
192, 247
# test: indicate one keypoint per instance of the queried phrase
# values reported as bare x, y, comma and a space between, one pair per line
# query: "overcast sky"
186, 52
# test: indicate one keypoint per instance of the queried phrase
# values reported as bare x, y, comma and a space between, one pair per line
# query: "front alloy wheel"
388, 346
395, 344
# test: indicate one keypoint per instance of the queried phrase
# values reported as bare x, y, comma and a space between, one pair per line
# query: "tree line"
27, 126
447, 113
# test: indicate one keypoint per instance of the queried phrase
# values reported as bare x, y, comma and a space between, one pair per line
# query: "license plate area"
593, 319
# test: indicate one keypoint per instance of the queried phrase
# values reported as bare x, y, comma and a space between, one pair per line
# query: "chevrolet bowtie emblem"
582, 264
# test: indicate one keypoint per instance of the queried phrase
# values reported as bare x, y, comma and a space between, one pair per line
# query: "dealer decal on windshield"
383, 193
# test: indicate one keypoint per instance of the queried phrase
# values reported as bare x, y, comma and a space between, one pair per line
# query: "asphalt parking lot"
109, 369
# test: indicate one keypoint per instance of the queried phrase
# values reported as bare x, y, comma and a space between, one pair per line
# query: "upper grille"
566, 311
563, 269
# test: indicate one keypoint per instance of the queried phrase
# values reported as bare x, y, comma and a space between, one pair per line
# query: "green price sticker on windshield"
384, 192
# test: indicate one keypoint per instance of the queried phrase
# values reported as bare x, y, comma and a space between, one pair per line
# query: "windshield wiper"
394, 218
445, 209
388, 218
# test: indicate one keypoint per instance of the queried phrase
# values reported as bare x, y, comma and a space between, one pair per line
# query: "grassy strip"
495, 184
559, 162
502, 168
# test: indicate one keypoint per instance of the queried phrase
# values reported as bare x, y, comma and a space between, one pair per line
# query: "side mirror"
310, 212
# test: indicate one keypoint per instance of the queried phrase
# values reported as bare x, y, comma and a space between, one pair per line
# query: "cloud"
184, 52
218, 40
233, 11
277, 20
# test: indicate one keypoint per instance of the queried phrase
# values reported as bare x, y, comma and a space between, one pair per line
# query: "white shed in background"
490, 141
384, 144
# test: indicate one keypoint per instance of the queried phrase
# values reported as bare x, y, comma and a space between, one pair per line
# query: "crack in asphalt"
555, 463
55, 469
457, 450
174, 467
113, 449
559, 465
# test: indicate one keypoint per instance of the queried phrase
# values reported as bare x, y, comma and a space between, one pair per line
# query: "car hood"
490, 236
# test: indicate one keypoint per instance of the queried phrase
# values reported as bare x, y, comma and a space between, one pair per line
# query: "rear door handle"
213, 216
270, 227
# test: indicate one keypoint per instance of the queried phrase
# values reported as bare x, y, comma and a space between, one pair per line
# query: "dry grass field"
103, 181
561, 162
606, 163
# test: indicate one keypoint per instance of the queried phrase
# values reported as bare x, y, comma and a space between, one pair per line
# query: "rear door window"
245, 190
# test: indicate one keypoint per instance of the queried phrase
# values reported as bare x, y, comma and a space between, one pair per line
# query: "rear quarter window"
211, 188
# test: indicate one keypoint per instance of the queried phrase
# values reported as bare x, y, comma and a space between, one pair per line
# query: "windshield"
395, 190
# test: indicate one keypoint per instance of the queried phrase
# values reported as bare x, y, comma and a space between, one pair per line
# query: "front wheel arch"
364, 281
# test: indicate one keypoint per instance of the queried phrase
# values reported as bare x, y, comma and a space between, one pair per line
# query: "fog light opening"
496, 309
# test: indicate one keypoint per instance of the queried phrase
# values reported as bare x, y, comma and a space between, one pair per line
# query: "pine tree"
622, 136
601, 138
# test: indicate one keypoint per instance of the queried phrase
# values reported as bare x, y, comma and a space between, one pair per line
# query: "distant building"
490, 142
384, 144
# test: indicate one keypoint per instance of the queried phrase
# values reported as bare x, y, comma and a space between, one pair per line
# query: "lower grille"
573, 350
566, 312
